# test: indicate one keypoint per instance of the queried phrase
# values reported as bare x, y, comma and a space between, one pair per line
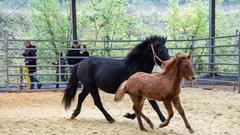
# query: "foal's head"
185, 66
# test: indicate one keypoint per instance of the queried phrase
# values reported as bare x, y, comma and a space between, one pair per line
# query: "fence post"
27, 78
194, 83
20, 82
7, 63
238, 62
59, 69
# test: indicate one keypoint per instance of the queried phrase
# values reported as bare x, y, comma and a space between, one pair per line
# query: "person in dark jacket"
83, 52
60, 69
73, 54
31, 62
78, 53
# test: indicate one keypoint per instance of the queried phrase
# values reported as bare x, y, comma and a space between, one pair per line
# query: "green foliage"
105, 20
49, 20
186, 21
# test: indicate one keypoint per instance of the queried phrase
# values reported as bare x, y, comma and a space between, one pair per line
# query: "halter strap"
155, 56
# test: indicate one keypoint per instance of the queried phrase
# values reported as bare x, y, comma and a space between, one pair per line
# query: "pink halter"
155, 56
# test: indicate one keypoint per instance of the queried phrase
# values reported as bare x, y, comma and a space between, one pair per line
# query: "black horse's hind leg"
157, 109
130, 116
98, 103
81, 98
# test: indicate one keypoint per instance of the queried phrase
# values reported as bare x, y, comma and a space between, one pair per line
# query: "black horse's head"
143, 51
157, 45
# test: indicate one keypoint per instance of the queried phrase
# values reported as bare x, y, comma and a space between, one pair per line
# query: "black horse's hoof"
162, 118
130, 116
72, 117
111, 121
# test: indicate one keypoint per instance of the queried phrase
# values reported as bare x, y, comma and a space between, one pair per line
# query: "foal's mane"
178, 57
140, 48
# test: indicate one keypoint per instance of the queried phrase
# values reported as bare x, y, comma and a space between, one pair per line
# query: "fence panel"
13, 73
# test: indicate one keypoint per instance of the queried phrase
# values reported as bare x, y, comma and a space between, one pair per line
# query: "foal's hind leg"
138, 101
178, 106
154, 106
147, 120
81, 98
157, 109
169, 108
140, 124
97, 101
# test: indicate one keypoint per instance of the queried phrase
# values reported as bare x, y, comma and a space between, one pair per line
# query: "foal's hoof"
191, 130
152, 126
111, 121
162, 125
129, 116
144, 129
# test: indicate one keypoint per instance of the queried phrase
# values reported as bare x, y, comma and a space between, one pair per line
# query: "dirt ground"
210, 112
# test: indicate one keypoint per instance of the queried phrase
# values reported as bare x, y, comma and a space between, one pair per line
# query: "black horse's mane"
139, 49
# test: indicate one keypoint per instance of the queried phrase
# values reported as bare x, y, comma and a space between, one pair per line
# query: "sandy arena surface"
210, 112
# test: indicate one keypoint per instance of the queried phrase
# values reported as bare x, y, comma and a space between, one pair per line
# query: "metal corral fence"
226, 69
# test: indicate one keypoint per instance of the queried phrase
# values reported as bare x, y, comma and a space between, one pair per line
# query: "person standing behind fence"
83, 52
60, 69
31, 62
73, 55
77, 55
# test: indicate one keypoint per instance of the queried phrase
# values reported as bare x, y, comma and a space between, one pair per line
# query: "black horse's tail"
71, 89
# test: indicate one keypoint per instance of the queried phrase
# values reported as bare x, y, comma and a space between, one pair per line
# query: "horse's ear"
189, 56
165, 38
178, 56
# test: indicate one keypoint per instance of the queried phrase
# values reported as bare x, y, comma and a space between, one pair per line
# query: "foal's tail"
120, 91
71, 89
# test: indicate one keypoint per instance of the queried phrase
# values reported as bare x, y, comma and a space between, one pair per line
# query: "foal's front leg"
178, 106
169, 108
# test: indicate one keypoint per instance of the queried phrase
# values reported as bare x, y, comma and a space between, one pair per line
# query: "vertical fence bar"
59, 69
238, 62
214, 72
20, 82
193, 59
7, 63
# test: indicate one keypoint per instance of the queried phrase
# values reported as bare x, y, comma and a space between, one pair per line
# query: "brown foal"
162, 87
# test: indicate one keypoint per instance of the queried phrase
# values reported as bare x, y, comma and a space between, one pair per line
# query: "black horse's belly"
109, 79
109, 85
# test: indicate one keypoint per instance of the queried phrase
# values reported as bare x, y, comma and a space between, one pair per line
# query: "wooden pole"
74, 19
27, 78
20, 78
212, 5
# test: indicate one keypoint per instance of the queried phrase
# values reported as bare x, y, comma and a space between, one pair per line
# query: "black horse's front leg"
157, 109
154, 106
98, 103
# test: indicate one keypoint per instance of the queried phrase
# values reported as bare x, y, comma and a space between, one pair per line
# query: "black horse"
107, 74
